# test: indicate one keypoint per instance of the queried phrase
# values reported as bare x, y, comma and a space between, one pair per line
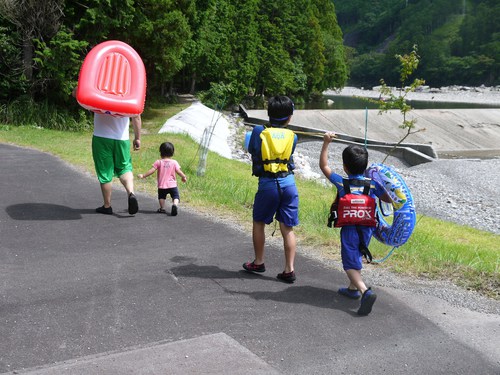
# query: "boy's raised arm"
323, 157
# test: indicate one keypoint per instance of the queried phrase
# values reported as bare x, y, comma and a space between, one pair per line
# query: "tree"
336, 70
388, 100
365, 68
443, 30
160, 37
209, 52
245, 41
249, 47
312, 50
12, 80
58, 62
98, 20
277, 71
34, 20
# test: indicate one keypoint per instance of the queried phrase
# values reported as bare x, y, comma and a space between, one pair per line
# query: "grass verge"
436, 250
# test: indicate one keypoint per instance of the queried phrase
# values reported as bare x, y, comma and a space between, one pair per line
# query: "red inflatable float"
112, 80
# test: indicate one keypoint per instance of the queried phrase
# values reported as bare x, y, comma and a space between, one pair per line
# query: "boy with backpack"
355, 214
271, 148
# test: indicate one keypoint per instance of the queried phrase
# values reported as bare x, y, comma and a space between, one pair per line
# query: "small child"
167, 182
353, 238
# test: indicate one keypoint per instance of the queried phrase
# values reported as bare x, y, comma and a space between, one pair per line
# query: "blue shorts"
349, 240
174, 193
282, 202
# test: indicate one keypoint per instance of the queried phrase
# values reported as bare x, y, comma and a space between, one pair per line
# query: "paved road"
83, 293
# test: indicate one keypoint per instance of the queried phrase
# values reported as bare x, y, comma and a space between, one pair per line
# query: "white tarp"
194, 120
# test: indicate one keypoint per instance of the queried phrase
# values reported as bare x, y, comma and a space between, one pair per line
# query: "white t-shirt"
110, 127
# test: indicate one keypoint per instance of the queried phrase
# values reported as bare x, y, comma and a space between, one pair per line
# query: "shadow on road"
48, 211
44, 211
308, 295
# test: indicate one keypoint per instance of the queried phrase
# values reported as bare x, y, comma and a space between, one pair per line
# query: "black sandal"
133, 206
287, 277
161, 211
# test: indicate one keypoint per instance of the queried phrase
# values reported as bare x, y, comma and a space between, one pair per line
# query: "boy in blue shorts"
354, 238
277, 197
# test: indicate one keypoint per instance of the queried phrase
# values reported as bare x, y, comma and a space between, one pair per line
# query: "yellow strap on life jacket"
277, 145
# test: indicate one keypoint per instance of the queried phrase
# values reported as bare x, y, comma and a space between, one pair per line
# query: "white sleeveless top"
107, 126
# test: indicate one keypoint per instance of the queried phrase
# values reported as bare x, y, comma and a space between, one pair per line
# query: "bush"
25, 111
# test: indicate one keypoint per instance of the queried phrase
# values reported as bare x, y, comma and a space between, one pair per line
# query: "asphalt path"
84, 293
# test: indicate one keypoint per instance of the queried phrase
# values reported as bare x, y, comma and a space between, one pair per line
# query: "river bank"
454, 190
458, 94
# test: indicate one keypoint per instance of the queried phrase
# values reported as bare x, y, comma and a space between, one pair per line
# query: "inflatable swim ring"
403, 208
247, 140
112, 80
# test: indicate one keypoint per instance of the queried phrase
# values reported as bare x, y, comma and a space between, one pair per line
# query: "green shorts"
111, 158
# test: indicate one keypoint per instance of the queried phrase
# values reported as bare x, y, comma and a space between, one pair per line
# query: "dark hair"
279, 109
166, 149
355, 159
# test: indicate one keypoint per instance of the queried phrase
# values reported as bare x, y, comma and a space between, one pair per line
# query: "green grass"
436, 250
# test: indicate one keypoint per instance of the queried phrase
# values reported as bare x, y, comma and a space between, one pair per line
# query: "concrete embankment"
460, 133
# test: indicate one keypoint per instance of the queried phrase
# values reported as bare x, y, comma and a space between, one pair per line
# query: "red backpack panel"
354, 209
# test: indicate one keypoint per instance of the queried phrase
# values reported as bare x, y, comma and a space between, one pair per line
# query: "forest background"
228, 52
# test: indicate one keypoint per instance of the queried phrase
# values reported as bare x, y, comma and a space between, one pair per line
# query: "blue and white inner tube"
247, 140
402, 210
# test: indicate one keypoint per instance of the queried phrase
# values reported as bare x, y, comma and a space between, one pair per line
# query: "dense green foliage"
458, 40
230, 50
227, 52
